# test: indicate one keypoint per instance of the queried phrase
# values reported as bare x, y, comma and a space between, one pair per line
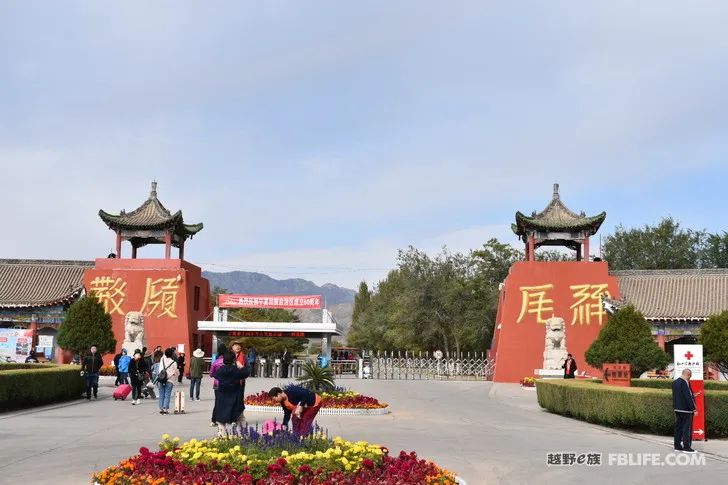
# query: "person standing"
137, 370
180, 366
683, 403
116, 367
197, 364
229, 406
124, 361
299, 405
569, 367
252, 356
216, 364
165, 379
90, 368
285, 362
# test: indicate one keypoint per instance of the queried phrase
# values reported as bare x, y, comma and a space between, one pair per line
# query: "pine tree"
87, 324
627, 338
361, 300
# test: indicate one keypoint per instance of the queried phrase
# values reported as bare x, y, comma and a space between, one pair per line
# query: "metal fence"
423, 365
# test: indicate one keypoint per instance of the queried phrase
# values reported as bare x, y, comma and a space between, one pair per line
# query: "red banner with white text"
270, 301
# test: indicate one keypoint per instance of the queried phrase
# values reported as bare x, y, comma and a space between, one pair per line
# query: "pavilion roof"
675, 294
36, 283
556, 217
151, 215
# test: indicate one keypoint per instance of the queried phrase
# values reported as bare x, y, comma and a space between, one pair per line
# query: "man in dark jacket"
285, 363
90, 368
298, 403
569, 367
683, 403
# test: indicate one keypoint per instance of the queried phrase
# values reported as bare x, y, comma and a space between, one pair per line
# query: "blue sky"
313, 139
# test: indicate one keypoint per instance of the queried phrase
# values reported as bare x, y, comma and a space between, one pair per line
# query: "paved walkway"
487, 433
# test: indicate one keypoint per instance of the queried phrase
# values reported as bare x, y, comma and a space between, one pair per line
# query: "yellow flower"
165, 436
284, 453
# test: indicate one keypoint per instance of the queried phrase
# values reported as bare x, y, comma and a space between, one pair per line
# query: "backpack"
162, 376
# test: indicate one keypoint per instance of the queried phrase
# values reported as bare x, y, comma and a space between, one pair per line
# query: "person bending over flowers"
299, 405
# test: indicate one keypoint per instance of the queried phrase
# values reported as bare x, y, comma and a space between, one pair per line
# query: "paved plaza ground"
488, 433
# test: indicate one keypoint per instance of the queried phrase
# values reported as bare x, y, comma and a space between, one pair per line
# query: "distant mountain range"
340, 301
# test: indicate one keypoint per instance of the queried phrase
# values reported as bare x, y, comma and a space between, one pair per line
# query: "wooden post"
182, 250
118, 244
586, 249
168, 245
133, 251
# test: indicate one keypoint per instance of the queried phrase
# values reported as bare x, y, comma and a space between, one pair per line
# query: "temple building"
158, 301
557, 225
34, 296
675, 301
150, 223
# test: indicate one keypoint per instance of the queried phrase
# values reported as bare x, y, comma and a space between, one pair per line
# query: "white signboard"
180, 348
45, 341
689, 357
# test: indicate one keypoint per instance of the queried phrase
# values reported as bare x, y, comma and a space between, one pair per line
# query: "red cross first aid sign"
691, 357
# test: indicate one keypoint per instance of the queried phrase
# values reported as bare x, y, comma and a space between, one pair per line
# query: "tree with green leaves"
361, 300
664, 246
714, 337
627, 338
86, 324
714, 253
428, 303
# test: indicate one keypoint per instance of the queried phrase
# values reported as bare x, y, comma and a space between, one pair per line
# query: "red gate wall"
164, 290
562, 289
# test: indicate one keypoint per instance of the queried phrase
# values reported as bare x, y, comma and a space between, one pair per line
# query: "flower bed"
340, 399
529, 382
274, 458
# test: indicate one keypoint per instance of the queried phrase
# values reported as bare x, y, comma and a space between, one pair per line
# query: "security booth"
223, 329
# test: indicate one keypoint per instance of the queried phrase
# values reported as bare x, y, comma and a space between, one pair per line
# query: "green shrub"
667, 384
19, 365
316, 378
636, 408
41, 384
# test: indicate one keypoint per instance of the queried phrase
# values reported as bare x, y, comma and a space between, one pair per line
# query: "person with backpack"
197, 364
165, 379
124, 361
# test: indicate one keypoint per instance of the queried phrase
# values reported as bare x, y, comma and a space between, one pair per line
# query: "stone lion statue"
555, 352
133, 331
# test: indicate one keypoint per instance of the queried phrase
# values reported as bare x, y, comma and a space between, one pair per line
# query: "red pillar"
133, 251
586, 249
118, 244
661, 340
168, 245
531, 248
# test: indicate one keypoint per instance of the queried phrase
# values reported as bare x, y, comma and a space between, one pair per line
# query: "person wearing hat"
197, 364
124, 361
137, 369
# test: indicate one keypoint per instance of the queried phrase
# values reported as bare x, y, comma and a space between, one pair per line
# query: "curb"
325, 411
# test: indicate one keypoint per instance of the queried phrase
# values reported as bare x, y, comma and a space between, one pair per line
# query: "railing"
423, 365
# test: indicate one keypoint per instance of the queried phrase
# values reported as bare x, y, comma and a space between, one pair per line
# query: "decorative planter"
324, 411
